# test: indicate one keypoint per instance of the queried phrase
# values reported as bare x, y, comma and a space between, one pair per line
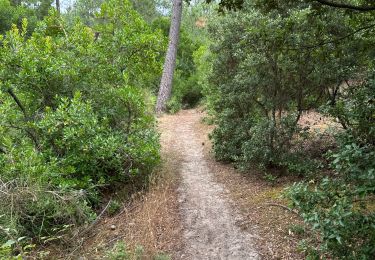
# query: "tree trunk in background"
170, 58
58, 6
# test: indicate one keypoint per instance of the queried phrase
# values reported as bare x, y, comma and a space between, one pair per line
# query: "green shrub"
174, 105
258, 90
75, 118
258, 141
87, 150
340, 208
114, 207
121, 252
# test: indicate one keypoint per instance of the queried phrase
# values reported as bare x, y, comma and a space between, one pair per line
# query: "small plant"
162, 257
114, 207
297, 229
174, 105
270, 178
15, 248
119, 252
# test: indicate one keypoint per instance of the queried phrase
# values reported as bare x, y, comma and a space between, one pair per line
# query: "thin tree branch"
283, 207
336, 40
96, 220
30, 133
262, 106
347, 6
18, 102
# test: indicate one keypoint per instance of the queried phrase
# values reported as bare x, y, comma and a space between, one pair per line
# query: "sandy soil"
209, 219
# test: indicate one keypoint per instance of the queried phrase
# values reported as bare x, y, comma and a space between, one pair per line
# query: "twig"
126, 208
100, 215
75, 249
284, 207
17, 100
334, 40
54, 193
114, 240
97, 219
88, 229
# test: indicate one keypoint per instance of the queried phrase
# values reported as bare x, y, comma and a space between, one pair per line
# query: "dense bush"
259, 87
13, 13
271, 62
89, 152
340, 208
75, 117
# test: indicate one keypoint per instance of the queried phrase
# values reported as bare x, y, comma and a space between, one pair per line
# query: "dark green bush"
258, 90
75, 118
274, 61
340, 208
85, 148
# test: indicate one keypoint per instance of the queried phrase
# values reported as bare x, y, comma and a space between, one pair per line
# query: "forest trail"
209, 220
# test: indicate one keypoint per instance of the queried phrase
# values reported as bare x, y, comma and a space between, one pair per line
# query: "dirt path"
209, 220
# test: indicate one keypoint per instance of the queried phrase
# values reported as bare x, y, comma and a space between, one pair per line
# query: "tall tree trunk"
58, 6
170, 58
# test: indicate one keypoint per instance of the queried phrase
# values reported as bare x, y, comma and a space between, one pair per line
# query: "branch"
262, 106
347, 6
29, 133
97, 219
284, 207
336, 40
16, 99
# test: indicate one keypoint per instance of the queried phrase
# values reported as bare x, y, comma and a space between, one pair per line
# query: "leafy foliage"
13, 11
274, 60
121, 252
340, 208
256, 79
75, 116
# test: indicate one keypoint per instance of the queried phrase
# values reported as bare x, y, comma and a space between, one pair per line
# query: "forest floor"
200, 208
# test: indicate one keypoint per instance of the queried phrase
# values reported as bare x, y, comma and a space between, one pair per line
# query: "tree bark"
58, 6
165, 87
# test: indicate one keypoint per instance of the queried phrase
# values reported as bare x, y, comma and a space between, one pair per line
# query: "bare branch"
283, 207
338, 39
347, 6
18, 102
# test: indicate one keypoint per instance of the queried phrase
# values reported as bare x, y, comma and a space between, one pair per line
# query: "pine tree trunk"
58, 6
170, 58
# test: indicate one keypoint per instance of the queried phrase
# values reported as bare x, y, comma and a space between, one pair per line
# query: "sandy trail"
209, 220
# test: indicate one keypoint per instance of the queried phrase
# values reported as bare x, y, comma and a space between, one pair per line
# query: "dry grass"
150, 219
318, 123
